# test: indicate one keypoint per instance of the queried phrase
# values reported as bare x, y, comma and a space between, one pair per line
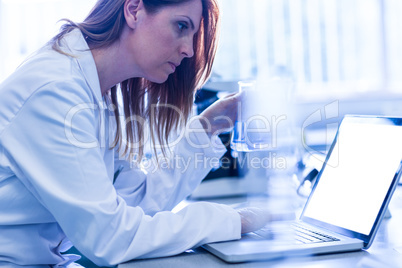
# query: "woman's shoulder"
71, 62
48, 64
46, 75
44, 69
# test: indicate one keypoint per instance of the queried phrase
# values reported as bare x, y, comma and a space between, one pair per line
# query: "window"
330, 47
26, 25
335, 48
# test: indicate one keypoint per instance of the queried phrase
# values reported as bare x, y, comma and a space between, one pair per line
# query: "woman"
58, 125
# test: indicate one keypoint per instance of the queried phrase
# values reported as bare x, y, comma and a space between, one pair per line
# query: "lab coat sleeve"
53, 144
171, 179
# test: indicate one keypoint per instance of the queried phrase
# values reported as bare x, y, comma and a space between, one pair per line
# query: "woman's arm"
162, 184
71, 181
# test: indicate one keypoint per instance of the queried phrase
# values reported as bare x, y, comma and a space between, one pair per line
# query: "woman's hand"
253, 218
221, 115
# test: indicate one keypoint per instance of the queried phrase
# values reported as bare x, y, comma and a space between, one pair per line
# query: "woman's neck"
113, 65
106, 60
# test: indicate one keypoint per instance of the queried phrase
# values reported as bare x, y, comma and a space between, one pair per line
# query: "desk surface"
386, 251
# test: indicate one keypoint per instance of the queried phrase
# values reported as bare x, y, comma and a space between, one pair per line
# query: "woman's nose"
187, 48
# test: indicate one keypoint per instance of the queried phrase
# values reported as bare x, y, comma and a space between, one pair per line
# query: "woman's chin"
159, 80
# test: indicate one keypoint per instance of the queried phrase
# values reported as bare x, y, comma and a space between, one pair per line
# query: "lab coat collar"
75, 43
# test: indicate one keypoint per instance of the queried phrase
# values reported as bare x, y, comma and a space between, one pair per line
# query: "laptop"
347, 203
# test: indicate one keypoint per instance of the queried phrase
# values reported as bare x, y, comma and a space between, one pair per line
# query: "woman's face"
160, 41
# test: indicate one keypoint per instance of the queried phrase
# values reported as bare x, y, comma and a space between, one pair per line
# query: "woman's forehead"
191, 9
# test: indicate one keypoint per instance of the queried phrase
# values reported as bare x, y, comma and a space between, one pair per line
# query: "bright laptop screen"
358, 174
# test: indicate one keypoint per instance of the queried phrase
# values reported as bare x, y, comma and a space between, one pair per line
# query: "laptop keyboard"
305, 235
301, 234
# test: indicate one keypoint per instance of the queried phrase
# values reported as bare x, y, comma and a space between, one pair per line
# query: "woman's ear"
131, 9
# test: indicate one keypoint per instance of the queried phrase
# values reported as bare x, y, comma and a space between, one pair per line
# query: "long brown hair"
142, 99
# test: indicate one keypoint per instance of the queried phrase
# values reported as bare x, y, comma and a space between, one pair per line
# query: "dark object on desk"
229, 167
307, 182
204, 98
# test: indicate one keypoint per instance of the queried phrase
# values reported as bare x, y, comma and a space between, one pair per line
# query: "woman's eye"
182, 26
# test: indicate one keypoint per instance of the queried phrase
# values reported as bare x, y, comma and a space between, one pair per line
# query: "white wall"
331, 47
26, 25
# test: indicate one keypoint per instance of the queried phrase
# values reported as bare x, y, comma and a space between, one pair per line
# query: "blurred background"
332, 48
347, 50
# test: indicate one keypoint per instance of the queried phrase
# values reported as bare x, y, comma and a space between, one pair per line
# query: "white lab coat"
56, 173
